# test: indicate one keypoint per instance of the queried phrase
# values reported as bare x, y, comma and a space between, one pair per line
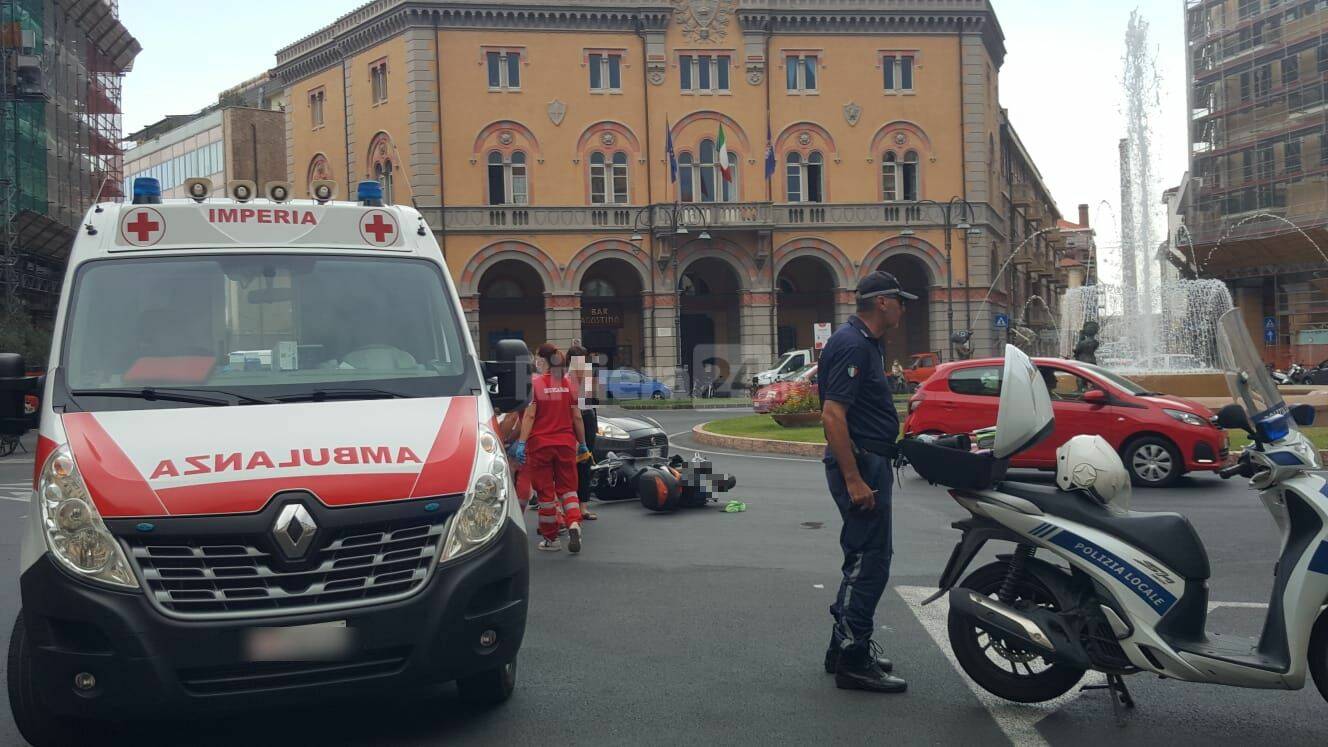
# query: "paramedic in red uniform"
552, 436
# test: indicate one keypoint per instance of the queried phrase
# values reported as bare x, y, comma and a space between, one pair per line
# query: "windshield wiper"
319, 395
153, 395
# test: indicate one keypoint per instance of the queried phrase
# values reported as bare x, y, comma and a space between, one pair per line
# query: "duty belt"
885, 449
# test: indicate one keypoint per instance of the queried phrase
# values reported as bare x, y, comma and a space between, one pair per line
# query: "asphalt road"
708, 628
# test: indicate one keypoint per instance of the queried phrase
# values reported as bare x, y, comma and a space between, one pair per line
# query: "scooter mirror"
1233, 416
1303, 415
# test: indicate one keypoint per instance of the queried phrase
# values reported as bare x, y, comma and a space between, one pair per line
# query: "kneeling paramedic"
552, 437
861, 428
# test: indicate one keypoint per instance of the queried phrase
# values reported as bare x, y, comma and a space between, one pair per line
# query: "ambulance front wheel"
489, 688
37, 723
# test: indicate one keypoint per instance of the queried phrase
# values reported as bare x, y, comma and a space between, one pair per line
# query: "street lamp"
966, 217
661, 221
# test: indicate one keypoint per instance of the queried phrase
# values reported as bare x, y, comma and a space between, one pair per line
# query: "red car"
770, 396
1159, 437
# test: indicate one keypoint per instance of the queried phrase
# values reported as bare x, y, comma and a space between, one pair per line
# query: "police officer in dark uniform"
861, 429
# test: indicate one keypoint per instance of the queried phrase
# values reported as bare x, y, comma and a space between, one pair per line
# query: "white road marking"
1018, 720
15, 491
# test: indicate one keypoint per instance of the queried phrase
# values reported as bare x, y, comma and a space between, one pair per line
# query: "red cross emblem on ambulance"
378, 228
142, 226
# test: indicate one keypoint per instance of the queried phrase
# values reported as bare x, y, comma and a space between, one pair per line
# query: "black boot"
858, 670
832, 659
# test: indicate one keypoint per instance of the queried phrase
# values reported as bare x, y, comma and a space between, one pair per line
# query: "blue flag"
769, 153
668, 148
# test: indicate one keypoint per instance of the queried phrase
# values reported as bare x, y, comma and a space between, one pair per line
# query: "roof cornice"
382, 19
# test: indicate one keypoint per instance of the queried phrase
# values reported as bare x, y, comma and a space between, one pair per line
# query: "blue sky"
1060, 81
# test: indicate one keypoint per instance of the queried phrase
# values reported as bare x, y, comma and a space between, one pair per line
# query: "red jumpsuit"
551, 453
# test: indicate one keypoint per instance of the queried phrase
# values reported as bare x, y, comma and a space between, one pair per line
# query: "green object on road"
735, 507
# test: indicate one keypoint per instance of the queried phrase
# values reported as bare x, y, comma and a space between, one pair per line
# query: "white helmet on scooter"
1088, 463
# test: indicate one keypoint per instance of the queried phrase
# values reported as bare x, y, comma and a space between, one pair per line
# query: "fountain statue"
1085, 351
1171, 348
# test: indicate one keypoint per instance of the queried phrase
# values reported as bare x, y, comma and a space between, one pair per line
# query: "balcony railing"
739, 216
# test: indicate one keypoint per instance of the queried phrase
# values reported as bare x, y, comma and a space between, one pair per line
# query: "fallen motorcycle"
660, 484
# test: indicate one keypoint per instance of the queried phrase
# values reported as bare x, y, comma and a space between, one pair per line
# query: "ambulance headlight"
485, 508
75, 533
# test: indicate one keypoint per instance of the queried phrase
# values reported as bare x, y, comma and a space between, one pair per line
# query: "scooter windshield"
1247, 378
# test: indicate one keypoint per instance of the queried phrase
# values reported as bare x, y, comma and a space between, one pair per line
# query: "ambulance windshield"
264, 326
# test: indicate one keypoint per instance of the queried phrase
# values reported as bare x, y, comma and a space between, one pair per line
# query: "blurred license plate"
316, 642
656, 451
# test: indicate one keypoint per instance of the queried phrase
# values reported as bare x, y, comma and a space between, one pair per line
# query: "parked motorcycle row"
1298, 375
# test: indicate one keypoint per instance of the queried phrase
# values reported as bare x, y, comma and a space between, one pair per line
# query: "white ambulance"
267, 467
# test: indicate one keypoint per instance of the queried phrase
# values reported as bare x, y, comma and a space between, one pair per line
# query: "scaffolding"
60, 130
1258, 116
1257, 205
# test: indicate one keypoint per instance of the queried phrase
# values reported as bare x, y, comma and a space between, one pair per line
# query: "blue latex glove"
581, 449
521, 452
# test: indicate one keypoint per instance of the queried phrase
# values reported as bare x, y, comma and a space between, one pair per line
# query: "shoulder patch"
852, 371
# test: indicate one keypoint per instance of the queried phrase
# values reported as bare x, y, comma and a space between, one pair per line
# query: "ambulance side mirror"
508, 376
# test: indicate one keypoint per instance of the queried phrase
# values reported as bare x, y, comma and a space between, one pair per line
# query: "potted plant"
800, 409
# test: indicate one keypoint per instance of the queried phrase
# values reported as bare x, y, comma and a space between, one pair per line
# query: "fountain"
1173, 350
1162, 335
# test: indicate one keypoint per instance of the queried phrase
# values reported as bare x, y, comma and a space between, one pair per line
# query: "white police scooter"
1134, 597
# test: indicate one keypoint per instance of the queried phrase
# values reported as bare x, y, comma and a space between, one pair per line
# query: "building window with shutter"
898, 70
378, 81
316, 99
801, 72
503, 68
507, 179
704, 73
605, 71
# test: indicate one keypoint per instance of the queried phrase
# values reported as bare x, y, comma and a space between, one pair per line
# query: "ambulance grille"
231, 577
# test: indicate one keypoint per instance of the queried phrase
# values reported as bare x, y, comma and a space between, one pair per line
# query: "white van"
267, 467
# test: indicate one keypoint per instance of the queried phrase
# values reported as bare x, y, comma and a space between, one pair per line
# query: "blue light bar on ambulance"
370, 193
147, 191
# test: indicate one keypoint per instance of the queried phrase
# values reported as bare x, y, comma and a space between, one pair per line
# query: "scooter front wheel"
999, 665
1318, 654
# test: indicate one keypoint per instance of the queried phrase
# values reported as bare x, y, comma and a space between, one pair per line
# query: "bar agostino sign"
601, 316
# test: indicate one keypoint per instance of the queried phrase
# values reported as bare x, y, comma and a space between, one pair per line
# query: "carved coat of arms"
852, 113
704, 20
557, 110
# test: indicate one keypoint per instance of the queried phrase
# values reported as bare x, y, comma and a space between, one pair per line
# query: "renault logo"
294, 530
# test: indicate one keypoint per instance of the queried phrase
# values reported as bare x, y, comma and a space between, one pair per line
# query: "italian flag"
722, 145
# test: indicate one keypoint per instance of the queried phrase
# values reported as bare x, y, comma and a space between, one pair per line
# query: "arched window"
383, 174
703, 181
890, 177
620, 183
608, 179
686, 177
504, 288
899, 181
599, 288
909, 175
507, 179
806, 177
381, 164
319, 169
793, 165
598, 179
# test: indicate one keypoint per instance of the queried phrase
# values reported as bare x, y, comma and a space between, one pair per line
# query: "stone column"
758, 329
470, 306
660, 313
846, 302
562, 318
